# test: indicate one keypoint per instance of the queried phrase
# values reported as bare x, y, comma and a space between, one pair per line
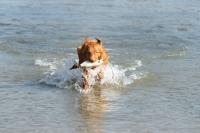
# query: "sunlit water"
151, 85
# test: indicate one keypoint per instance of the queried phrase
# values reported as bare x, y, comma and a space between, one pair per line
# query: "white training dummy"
88, 64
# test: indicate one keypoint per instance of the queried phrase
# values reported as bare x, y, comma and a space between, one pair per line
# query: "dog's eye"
88, 53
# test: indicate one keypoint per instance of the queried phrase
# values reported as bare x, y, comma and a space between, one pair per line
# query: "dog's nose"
92, 60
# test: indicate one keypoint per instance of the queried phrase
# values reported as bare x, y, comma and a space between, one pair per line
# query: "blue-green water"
154, 52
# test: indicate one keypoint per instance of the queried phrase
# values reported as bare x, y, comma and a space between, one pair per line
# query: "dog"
92, 51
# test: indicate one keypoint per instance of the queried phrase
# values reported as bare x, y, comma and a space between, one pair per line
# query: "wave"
173, 53
5, 46
5, 24
57, 73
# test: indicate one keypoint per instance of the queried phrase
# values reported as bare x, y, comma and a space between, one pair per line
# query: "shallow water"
154, 55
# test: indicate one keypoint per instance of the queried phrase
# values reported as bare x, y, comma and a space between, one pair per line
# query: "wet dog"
92, 51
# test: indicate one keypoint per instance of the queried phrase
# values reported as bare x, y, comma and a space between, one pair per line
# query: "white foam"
62, 77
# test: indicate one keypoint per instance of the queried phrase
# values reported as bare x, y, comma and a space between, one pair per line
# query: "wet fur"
91, 50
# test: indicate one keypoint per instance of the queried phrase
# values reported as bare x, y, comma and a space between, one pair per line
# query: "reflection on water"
92, 108
155, 41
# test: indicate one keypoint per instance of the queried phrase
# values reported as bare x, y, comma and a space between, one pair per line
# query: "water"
154, 55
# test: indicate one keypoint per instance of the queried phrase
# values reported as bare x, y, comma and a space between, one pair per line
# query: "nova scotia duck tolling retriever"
91, 51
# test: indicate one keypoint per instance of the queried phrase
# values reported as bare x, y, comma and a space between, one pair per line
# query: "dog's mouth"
93, 59
88, 64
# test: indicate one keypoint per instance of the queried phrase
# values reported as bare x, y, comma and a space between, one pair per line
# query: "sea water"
150, 85
62, 77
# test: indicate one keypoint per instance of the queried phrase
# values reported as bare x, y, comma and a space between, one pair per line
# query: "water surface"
154, 53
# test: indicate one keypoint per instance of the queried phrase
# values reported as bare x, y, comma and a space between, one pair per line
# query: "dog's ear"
79, 49
86, 39
98, 41
79, 52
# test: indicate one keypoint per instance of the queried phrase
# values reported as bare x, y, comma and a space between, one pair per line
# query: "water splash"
57, 73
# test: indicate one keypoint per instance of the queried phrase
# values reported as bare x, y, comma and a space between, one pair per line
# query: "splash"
58, 73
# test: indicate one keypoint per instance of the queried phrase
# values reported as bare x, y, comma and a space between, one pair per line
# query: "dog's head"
92, 50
